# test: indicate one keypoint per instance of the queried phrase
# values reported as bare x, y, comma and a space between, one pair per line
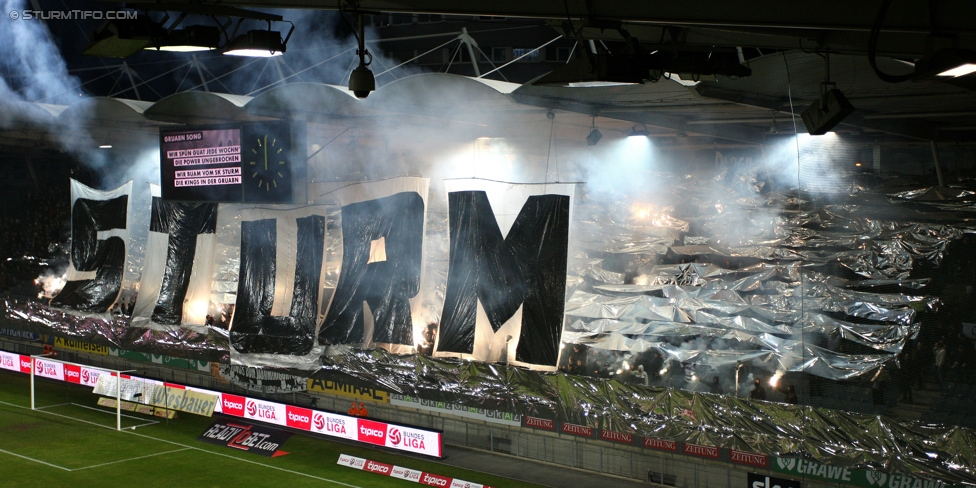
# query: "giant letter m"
526, 269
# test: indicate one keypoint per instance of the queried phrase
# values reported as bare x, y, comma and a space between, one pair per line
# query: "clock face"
267, 163
266, 173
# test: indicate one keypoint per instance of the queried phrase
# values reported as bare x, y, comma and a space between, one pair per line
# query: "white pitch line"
187, 447
246, 460
130, 459
35, 460
62, 416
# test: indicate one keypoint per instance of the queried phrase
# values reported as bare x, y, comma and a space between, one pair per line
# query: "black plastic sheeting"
386, 286
254, 329
526, 268
105, 257
182, 221
831, 437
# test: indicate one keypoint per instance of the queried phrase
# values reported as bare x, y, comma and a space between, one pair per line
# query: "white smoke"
51, 283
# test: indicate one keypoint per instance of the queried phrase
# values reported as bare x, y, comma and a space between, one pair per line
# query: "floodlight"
594, 137
256, 43
639, 130
826, 113
123, 38
191, 38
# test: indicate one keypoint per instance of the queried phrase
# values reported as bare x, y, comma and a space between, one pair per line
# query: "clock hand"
265, 152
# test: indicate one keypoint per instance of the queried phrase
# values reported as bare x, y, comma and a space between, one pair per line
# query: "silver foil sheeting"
210, 343
832, 437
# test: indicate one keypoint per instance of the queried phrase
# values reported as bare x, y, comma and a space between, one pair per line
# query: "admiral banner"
246, 437
348, 390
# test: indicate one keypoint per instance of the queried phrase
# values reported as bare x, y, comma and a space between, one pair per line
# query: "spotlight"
191, 38
594, 137
639, 130
256, 43
123, 38
830, 110
826, 113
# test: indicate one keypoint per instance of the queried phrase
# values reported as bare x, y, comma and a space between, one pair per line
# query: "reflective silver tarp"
832, 437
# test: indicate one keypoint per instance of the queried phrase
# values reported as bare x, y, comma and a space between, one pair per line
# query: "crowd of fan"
32, 227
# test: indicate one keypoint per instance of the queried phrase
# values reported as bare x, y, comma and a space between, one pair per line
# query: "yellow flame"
643, 211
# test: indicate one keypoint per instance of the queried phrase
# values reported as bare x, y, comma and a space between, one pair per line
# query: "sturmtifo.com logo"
72, 15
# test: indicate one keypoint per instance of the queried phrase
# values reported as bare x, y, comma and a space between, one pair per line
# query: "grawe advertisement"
421, 477
857, 477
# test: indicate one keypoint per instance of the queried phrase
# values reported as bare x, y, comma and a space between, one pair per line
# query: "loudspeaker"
824, 114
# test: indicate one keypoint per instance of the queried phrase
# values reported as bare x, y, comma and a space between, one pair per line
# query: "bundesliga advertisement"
409, 439
418, 441
334, 425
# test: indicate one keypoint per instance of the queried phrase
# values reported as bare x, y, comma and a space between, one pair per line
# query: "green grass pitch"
70, 442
